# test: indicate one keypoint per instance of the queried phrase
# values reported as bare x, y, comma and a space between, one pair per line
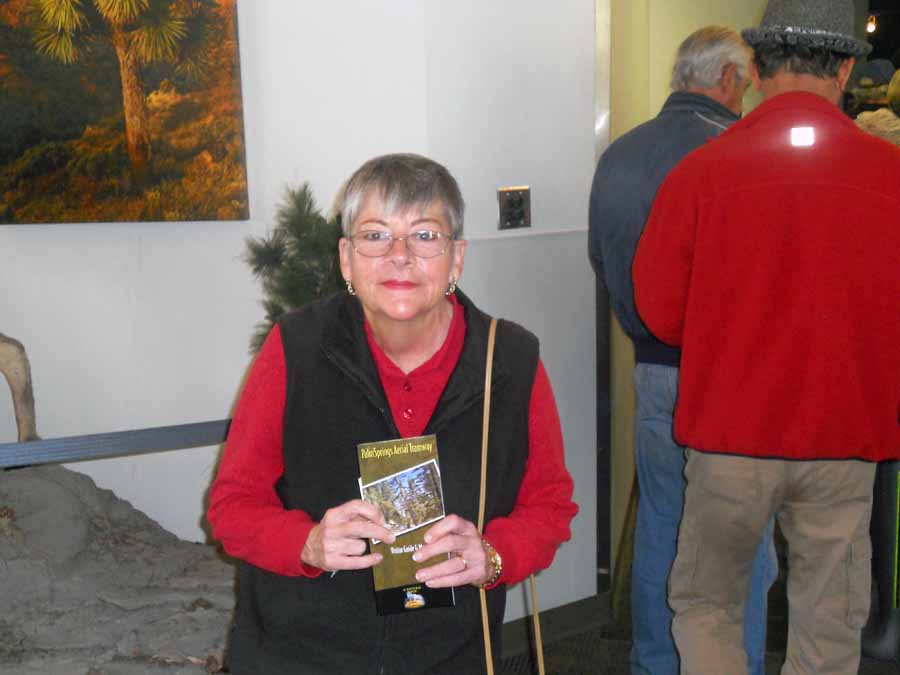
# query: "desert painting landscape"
120, 111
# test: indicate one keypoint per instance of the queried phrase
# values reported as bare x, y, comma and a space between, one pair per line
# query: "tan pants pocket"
682, 578
859, 570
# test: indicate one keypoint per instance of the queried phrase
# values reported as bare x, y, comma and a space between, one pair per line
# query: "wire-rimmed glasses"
420, 243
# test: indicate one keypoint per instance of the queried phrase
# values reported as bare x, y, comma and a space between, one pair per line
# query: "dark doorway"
604, 442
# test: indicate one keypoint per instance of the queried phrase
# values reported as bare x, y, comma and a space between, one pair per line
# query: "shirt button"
407, 386
407, 414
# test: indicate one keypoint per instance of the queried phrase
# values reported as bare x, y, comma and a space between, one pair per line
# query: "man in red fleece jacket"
772, 257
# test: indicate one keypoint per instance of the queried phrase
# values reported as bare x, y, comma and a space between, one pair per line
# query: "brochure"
403, 478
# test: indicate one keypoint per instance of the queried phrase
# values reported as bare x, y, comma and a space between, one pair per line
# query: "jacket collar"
800, 104
346, 346
687, 101
466, 384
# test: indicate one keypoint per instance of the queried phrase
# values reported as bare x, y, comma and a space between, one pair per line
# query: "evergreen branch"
259, 336
297, 262
297, 284
294, 213
264, 254
274, 310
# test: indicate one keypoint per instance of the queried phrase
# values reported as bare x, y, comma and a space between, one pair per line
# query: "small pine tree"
297, 262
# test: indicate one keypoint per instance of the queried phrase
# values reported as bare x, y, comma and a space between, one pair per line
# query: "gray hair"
403, 181
769, 58
704, 55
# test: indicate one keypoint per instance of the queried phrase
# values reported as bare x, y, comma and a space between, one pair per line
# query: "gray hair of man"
704, 55
403, 181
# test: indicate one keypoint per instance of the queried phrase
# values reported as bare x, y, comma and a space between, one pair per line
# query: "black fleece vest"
335, 401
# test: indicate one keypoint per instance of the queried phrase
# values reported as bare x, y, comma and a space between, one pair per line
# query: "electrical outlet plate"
515, 207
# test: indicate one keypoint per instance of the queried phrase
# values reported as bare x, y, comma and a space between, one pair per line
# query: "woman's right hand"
338, 541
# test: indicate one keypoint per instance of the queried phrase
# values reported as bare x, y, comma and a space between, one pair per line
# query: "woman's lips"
399, 285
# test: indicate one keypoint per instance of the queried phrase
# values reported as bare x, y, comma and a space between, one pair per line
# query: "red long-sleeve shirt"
251, 523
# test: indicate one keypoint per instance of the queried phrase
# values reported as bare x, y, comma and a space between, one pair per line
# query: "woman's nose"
398, 249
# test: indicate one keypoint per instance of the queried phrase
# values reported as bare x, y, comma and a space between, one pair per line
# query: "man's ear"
729, 77
754, 75
844, 72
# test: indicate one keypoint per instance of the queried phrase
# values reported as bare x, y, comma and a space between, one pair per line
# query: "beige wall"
645, 35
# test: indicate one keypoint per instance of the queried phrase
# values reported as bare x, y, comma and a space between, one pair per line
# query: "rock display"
92, 586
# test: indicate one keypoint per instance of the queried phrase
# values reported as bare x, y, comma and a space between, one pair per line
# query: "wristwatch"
496, 562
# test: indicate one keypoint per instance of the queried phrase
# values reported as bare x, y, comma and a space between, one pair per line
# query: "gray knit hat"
824, 24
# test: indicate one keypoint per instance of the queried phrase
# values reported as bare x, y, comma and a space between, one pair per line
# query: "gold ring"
465, 564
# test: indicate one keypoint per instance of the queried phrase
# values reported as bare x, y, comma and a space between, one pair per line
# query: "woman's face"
400, 286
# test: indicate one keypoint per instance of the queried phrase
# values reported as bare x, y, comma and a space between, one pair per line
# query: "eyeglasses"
421, 243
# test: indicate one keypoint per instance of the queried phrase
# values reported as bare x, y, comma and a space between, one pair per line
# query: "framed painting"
120, 110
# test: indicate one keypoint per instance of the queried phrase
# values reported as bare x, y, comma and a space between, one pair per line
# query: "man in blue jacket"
708, 84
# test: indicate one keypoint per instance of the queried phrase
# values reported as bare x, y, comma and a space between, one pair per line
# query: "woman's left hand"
468, 563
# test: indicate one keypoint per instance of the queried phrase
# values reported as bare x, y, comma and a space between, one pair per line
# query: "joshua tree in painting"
140, 31
15, 368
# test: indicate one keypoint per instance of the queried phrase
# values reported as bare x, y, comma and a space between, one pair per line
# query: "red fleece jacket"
772, 257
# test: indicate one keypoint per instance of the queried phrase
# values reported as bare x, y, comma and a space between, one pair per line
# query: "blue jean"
660, 470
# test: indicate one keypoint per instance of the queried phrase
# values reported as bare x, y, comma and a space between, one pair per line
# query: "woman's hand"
338, 541
468, 563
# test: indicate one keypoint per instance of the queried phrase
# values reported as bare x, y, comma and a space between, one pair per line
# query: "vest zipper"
389, 419
385, 634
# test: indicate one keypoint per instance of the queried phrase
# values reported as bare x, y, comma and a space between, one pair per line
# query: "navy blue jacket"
628, 175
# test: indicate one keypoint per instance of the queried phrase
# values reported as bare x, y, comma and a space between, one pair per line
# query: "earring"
350, 287
451, 287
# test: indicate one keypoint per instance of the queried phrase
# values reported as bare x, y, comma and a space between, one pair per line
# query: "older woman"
401, 354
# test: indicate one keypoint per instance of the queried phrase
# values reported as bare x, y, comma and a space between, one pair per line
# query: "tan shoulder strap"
485, 425
486, 420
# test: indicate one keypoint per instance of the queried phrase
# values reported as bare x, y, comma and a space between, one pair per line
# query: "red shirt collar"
413, 396
443, 360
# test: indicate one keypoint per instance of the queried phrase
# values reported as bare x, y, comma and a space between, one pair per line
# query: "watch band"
496, 562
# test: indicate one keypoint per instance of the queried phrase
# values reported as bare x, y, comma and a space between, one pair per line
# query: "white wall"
147, 324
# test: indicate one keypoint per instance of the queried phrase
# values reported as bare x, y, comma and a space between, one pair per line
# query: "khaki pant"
823, 508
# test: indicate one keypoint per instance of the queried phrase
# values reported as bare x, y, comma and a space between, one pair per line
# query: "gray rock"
91, 586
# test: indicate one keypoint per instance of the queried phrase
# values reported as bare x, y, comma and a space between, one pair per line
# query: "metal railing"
114, 444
